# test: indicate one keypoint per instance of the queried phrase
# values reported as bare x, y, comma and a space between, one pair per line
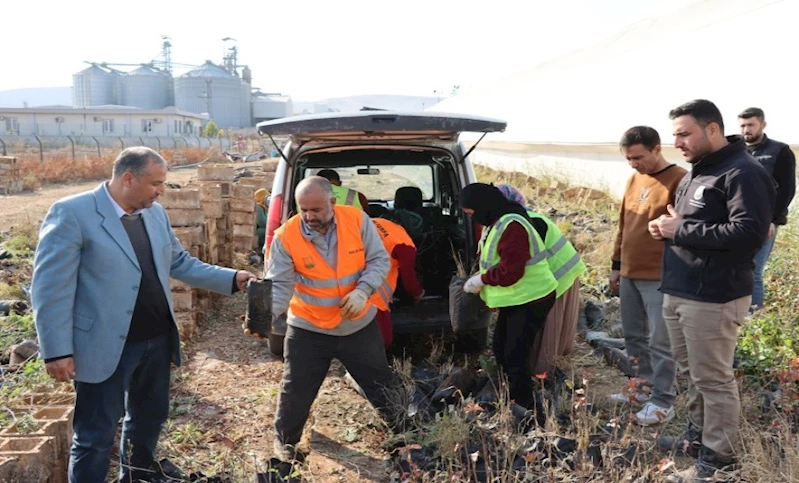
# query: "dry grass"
62, 169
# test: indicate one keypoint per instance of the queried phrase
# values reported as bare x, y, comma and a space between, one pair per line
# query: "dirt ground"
228, 388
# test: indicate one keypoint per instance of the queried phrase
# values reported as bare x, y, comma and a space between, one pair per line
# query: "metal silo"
146, 88
94, 86
210, 88
246, 105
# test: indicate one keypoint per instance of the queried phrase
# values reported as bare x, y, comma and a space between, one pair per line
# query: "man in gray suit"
103, 311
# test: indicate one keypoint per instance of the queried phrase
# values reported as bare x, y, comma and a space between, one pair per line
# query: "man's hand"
242, 277
669, 223
353, 303
772, 229
62, 370
418, 298
474, 284
654, 229
615, 278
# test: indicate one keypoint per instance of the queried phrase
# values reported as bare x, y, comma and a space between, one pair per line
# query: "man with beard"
721, 219
780, 162
328, 268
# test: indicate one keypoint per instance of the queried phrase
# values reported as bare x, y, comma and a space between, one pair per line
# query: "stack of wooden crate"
216, 181
242, 218
10, 179
189, 224
212, 219
262, 179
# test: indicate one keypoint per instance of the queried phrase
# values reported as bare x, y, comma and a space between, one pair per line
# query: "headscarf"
512, 194
488, 203
260, 196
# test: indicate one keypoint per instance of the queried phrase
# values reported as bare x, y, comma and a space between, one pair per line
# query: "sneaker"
654, 414
625, 398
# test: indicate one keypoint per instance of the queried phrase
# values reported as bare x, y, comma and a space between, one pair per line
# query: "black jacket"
780, 162
727, 205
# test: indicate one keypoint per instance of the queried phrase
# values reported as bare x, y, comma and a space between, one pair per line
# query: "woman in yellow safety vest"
515, 278
557, 338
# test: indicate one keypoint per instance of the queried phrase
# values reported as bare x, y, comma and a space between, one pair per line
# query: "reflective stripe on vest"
537, 280
537, 254
346, 196
319, 288
392, 235
564, 261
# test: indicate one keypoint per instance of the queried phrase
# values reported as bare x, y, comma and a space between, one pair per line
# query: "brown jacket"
635, 252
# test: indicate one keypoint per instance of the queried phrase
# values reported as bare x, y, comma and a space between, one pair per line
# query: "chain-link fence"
48, 148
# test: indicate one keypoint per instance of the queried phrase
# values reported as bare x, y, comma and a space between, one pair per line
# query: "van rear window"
379, 183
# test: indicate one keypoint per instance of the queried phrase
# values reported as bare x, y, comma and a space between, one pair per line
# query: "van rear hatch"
373, 126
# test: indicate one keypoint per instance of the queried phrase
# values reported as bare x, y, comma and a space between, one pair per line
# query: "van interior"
417, 188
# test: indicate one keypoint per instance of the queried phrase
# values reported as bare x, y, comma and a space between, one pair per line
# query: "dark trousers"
308, 355
513, 342
139, 389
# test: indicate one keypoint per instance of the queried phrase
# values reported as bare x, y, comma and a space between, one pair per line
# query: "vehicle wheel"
276, 344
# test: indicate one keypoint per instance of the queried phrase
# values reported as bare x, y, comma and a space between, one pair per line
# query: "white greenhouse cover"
736, 53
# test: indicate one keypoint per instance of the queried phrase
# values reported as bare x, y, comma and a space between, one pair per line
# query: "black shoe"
708, 467
689, 443
160, 472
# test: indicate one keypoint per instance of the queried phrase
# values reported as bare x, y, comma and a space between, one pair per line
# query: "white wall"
45, 124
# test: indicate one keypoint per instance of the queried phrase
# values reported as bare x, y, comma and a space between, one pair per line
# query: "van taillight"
272, 222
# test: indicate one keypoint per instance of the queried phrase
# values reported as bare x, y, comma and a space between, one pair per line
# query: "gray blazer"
86, 279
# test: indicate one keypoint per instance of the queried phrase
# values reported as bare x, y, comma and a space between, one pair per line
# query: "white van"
405, 163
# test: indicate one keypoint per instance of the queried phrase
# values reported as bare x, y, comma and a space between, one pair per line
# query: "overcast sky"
311, 49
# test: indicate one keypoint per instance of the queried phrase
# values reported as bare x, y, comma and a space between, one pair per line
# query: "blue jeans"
139, 389
760, 263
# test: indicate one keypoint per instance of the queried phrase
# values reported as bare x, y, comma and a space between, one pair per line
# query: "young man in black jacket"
780, 162
724, 207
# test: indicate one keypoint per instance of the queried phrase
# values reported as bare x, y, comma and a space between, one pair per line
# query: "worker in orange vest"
403, 263
328, 269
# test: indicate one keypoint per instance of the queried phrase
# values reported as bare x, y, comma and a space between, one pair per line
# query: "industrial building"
117, 121
218, 91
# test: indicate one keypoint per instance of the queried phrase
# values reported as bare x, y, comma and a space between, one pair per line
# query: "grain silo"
147, 88
95, 86
246, 105
213, 90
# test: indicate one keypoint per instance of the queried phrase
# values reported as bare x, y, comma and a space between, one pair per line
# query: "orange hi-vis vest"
320, 287
392, 235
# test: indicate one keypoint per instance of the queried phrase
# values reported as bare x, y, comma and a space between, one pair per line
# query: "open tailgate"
378, 125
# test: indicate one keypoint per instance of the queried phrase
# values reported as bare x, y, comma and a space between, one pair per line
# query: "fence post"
73, 146
122, 144
98, 147
158, 140
41, 149
4, 147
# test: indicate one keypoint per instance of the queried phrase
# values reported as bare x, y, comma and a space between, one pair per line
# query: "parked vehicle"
406, 164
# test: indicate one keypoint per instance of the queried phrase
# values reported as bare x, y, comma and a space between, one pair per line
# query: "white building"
117, 121
266, 107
